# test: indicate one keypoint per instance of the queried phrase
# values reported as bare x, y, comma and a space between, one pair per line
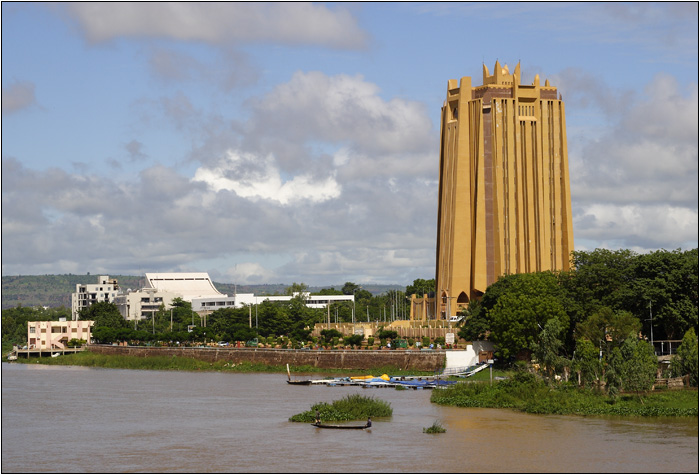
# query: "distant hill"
52, 290
279, 289
56, 290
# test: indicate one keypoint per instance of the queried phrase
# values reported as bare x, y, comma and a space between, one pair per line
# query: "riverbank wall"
327, 359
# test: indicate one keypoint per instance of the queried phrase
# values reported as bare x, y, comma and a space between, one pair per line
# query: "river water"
74, 419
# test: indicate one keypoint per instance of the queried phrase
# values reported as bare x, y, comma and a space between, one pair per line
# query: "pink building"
49, 335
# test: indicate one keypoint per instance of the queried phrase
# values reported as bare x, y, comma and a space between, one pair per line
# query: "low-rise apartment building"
49, 335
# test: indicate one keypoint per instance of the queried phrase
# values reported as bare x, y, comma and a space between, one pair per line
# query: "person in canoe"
318, 418
369, 422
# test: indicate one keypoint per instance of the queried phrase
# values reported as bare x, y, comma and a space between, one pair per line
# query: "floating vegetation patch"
436, 428
350, 408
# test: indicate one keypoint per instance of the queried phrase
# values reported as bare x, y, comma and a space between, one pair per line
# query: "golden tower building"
504, 201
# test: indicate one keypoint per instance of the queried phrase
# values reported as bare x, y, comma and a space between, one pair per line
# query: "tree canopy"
14, 320
587, 315
104, 314
521, 313
686, 360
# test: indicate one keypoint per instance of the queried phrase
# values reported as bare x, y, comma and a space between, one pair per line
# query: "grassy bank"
530, 395
180, 363
6, 348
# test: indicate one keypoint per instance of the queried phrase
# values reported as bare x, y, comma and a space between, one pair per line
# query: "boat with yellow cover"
362, 378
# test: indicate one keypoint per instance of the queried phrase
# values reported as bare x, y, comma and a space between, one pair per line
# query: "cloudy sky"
292, 142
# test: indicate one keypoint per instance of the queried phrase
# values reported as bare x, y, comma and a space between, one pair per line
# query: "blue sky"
293, 142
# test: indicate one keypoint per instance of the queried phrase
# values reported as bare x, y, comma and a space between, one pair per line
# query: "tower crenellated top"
502, 77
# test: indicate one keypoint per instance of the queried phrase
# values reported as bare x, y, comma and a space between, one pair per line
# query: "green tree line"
266, 319
590, 319
14, 321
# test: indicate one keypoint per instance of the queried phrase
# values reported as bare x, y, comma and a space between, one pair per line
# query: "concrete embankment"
340, 359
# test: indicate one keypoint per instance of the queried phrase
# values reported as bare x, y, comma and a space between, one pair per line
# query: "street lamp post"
651, 327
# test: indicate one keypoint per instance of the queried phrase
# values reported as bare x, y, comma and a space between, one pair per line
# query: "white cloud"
317, 136
227, 68
163, 221
361, 263
17, 96
250, 273
581, 89
637, 184
267, 184
341, 109
280, 22
638, 227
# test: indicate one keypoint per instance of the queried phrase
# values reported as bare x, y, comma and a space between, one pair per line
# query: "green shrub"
388, 334
329, 334
353, 340
436, 428
351, 407
686, 359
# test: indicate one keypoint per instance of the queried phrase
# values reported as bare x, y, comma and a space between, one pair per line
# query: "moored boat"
301, 382
339, 426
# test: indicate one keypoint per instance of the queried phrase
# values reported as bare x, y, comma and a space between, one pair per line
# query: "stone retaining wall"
404, 328
340, 359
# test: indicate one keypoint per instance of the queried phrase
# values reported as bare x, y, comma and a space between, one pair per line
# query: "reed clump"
350, 408
436, 428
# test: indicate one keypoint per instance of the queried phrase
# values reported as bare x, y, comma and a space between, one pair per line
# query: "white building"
188, 285
142, 304
241, 300
49, 335
87, 294
205, 304
194, 287
162, 288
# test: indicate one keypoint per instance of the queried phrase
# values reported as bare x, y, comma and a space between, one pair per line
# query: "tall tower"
504, 203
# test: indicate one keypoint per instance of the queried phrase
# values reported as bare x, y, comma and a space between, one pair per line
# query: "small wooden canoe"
333, 426
302, 382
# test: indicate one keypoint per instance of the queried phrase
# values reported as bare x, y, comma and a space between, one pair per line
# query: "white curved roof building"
188, 284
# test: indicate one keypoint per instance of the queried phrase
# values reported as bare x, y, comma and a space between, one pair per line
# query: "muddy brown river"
74, 419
